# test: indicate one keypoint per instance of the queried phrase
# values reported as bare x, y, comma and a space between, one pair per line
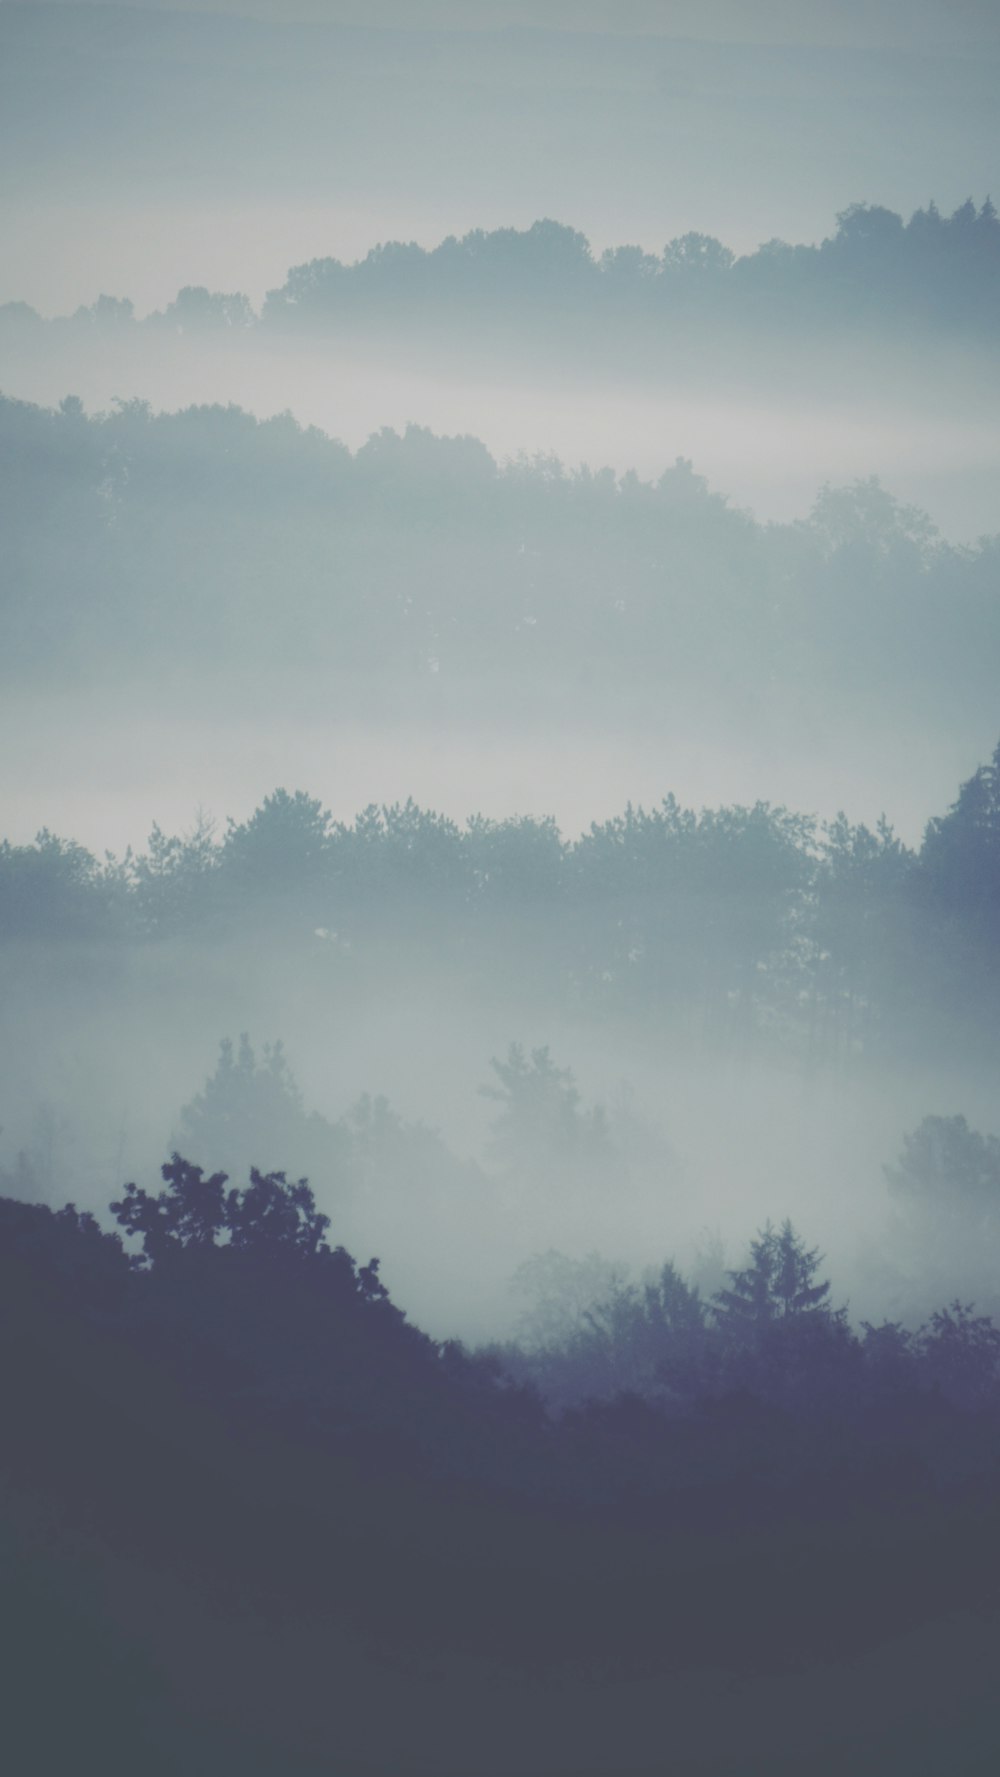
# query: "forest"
139, 542
631, 1492
499, 888
746, 927
623, 1268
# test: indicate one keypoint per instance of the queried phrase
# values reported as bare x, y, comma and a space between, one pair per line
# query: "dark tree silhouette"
778, 1285
269, 1216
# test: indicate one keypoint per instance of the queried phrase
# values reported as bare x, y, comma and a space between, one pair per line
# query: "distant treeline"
184, 542
735, 925
876, 271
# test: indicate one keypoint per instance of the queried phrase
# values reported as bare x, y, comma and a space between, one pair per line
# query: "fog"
715, 1105
75, 773
499, 883
100, 1064
933, 440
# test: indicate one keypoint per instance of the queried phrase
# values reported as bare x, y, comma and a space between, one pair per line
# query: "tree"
271, 1213
388, 1151
280, 855
627, 270
675, 1336
781, 1340
890, 1356
196, 309
593, 1335
777, 1286
864, 516
189, 1214
948, 1175
559, 1293
540, 1122
403, 862
860, 930
174, 879
251, 1111
960, 856
696, 256
56, 889
945, 1186
960, 1354
867, 231
63, 1251
268, 1219
107, 312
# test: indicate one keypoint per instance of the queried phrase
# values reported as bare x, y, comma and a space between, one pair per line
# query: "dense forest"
177, 544
737, 926
634, 1431
216, 1381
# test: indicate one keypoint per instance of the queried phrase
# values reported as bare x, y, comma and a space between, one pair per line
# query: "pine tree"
778, 1285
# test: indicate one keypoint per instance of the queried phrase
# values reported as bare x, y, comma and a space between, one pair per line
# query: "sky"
901, 23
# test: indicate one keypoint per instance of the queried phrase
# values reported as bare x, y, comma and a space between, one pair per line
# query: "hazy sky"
142, 154
902, 23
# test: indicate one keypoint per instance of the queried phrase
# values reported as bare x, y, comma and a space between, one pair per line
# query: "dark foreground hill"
255, 1522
